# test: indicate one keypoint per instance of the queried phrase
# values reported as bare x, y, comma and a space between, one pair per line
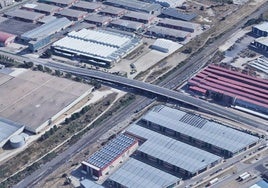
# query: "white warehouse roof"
263, 26
8, 129
172, 151
200, 128
135, 174
108, 46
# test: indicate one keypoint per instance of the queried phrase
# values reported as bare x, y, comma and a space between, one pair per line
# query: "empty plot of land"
33, 98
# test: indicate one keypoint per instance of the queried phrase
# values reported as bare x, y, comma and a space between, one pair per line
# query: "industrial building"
174, 13
127, 25
167, 3
165, 46
112, 11
35, 99
41, 8
140, 17
260, 64
170, 154
86, 183
135, 5
98, 20
99, 47
5, 3
6, 38
16, 27
41, 36
177, 24
24, 15
87, 6
198, 131
61, 3
8, 129
261, 44
167, 33
260, 30
232, 87
135, 174
71, 14
109, 156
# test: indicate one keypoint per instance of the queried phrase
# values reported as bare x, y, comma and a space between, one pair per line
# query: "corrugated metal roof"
263, 26
163, 31
136, 174
111, 151
7, 129
24, 14
47, 29
63, 2
135, 5
101, 44
72, 13
201, 129
98, 18
139, 15
176, 14
177, 23
127, 24
172, 151
88, 5
89, 184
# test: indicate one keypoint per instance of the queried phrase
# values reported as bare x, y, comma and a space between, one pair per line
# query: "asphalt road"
170, 82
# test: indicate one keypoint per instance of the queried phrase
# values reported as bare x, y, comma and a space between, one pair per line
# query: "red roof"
195, 88
5, 36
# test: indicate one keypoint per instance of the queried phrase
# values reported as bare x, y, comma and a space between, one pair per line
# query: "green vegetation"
8, 62
50, 140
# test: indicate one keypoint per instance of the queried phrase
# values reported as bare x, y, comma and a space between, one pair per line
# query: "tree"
58, 73
40, 68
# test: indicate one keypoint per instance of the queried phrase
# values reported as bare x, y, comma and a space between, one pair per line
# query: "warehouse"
260, 30
233, 88
61, 3
140, 17
201, 132
135, 5
177, 24
259, 64
261, 44
87, 6
126, 25
174, 13
109, 156
86, 183
167, 33
98, 20
71, 14
112, 11
135, 174
167, 3
24, 15
16, 27
41, 36
8, 129
170, 154
100, 47
6, 38
34, 99
165, 46
42, 8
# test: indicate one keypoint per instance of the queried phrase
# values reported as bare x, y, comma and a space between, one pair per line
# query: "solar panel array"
111, 151
206, 131
172, 151
193, 120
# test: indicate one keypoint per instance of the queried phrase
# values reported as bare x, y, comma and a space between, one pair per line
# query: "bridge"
160, 91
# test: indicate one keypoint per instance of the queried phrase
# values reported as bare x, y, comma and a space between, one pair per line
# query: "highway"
160, 91
171, 81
